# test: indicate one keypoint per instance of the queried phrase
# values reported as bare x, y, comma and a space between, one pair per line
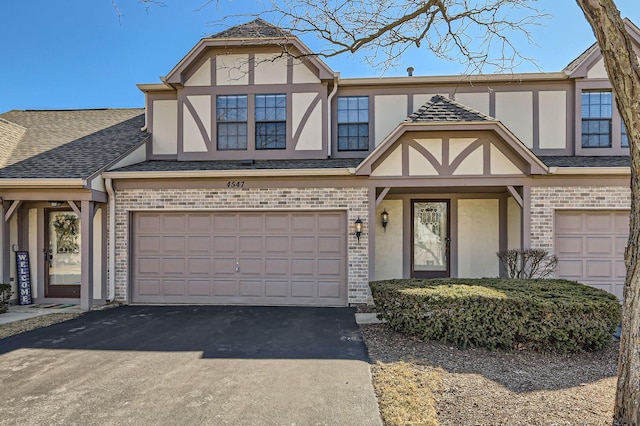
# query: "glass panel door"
62, 254
430, 246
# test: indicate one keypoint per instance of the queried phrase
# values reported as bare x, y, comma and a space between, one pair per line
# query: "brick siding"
352, 200
546, 200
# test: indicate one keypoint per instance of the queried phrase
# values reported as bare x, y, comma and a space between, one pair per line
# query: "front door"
430, 239
62, 254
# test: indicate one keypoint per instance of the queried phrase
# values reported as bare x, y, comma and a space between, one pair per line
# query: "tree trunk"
622, 67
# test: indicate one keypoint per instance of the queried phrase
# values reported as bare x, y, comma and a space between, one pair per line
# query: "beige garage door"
590, 247
276, 258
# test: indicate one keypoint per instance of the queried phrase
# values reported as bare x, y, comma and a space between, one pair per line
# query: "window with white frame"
596, 119
353, 123
231, 118
271, 121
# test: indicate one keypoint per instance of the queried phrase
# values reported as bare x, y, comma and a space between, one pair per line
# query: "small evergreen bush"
5, 296
543, 315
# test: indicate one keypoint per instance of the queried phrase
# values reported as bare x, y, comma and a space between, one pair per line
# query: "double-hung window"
271, 121
231, 118
596, 119
353, 123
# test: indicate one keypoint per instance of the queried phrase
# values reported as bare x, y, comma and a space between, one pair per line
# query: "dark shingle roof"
179, 166
258, 28
573, 161
71, 144
440, 108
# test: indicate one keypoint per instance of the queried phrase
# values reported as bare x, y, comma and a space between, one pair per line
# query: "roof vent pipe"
410, 71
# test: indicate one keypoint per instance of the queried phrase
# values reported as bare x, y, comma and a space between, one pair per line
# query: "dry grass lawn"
405, 393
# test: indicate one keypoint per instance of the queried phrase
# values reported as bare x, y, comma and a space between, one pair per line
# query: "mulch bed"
482, 387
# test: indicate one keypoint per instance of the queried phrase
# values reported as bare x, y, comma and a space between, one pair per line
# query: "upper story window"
231, 117
596, 119
271, 125
624, 137
353, 123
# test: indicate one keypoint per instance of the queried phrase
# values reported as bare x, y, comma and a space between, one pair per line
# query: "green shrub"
5, 296
544, 315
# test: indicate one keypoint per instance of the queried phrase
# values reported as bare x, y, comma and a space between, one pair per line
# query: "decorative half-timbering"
257, 175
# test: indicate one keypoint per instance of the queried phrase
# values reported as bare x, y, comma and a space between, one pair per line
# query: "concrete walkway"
17, 313
191, 366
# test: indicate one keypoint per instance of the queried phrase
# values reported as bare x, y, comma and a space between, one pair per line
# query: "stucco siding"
552, 107
390, 110
352, 200
309, 129
515, 110
478, 238
597, 70
392, 165
202, 76
270, 68
477, 101
193, 137
501, 164
421, 99
302, 74
232, 70
389, 243
165, 127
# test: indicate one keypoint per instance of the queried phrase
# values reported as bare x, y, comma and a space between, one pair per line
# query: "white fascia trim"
155, 87
626, 171
229, 173
35, 183
449, 79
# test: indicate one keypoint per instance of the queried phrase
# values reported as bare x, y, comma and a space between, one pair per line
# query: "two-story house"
256, 175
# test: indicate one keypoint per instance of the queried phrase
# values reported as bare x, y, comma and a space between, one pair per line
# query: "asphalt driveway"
188, 365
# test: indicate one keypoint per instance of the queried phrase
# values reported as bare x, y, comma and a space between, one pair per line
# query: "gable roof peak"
258, 28
578, 67
443, 109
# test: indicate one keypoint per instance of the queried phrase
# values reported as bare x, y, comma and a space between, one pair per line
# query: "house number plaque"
24, 278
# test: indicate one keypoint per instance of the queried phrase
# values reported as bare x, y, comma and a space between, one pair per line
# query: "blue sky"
79, 54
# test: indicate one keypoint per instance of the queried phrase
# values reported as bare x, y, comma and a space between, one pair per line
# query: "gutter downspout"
111, 294
336, 76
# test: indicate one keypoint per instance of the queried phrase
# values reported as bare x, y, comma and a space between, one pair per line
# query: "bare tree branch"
479, 33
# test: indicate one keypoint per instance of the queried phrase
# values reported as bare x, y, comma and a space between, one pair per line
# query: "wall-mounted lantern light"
358, 228
385, 219
55, 203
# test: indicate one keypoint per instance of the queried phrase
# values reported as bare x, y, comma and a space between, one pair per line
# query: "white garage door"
275, 258
590, 247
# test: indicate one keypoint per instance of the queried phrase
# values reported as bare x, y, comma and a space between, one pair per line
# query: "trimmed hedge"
538, 314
